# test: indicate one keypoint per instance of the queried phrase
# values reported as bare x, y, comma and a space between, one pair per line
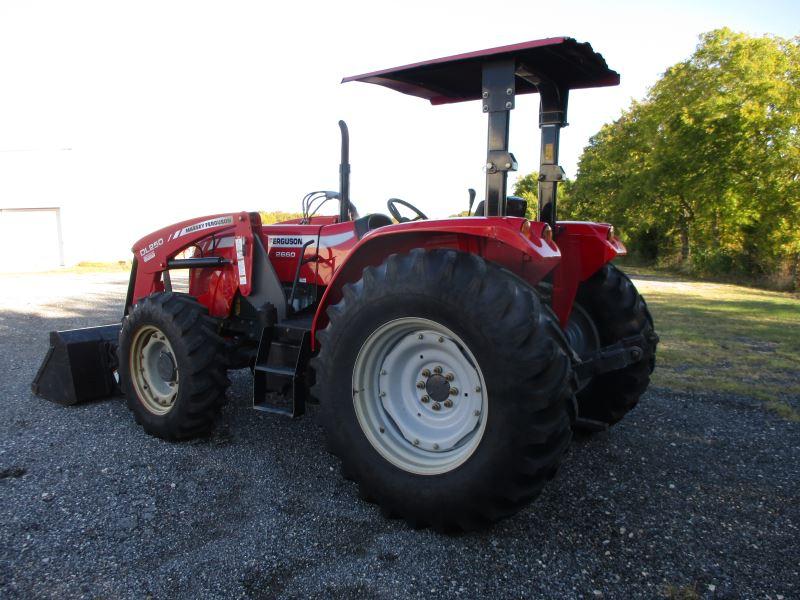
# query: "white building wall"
100, 213
33, 180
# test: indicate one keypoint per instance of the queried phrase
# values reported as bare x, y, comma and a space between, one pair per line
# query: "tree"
707, 166
278, 216
527, 187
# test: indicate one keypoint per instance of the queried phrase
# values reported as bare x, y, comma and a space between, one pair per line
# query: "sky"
134, 115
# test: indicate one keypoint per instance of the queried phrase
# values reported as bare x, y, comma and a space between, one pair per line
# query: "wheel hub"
438, 388
166, 367
419, 397
153, 369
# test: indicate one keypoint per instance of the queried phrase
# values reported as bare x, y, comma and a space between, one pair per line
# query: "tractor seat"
367, 223
515, 207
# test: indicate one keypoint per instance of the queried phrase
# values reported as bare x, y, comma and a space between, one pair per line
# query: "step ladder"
279, 385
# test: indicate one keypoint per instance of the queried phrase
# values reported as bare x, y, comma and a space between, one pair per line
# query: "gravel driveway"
690, 496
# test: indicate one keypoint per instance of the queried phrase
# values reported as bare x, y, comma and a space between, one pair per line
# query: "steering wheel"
396, 213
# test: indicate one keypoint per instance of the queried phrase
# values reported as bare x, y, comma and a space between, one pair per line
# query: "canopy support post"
552, 117
498, 92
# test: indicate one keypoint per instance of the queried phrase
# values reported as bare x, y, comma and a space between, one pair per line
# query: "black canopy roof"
562, 60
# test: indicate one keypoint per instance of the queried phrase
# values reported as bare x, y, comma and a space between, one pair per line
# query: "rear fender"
585, 248
500, 240
153, 253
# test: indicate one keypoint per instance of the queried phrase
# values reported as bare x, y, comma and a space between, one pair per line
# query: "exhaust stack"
344, 175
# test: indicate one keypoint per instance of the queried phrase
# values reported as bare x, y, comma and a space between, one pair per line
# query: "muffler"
79, 366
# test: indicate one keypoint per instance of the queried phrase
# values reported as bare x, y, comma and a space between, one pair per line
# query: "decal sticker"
335, 240
149, 251
240, 265
290, 241
218, 222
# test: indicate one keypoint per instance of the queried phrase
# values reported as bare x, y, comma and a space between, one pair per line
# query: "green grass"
725, 338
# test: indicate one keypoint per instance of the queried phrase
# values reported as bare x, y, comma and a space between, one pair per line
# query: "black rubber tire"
522, 354
200, 362
618, 311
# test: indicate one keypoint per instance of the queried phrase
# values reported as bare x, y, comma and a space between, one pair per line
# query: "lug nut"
441, 339
420, 384
454, 391
420, 336
448, 403
383, 372
416, 442
383, 394
478, 389
426, 372
449, 377
436, 406
436, 446
438, 370
477, 413
425, 399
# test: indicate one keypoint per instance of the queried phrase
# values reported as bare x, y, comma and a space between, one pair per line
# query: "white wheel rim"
154, 370
419, 396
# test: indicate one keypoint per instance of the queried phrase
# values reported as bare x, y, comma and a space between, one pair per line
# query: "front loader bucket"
79, 365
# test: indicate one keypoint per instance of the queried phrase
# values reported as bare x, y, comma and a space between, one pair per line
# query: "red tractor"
451, 359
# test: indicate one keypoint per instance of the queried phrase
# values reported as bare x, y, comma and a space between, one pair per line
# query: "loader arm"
155, 253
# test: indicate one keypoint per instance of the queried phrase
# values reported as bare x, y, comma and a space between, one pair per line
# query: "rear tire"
507, 339
618, 311
171, 366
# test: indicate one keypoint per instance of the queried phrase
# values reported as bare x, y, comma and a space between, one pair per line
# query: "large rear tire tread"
524, 357
200, 356
618, 311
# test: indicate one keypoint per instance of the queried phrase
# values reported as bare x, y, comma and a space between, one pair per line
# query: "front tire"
444, 328
171, 367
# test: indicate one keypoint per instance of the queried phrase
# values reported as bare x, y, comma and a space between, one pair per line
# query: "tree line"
704, 172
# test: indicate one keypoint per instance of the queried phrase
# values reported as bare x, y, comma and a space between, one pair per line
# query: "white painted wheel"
447, 466
419, 396
154, 370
